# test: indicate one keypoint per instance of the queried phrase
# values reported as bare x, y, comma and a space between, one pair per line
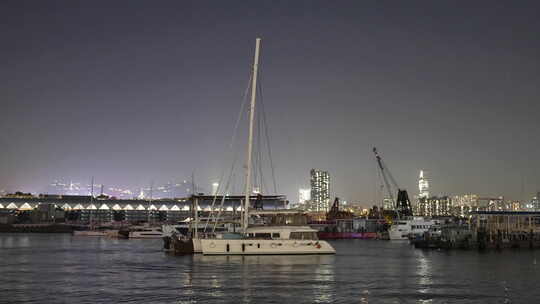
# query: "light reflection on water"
424, 273
62, 268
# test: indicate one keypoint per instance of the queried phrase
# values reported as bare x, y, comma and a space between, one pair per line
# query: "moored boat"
96, 232
145, 233
404, 229
270, 238
286, 240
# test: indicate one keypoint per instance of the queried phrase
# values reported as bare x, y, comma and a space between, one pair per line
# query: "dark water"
59, 268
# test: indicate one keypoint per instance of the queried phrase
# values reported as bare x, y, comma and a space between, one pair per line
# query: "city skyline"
147, 92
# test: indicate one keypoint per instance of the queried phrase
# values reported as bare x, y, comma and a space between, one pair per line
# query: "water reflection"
256, 276
282, 260
61, 268
324, 284
424, 273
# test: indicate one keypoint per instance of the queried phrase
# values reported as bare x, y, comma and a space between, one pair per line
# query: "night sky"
137, 91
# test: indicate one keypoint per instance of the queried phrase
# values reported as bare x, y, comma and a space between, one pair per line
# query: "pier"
488, 230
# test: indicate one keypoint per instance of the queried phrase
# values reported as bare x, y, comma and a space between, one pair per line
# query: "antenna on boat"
250, 138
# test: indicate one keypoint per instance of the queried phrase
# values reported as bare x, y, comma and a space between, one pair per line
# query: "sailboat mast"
250, 138
150, 201
91, 199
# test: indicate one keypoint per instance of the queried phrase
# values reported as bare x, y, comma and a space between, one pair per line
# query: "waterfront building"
462, 205
515, 206
304, 195
320, 190
215, 187
492, 204
388, 204
535, 202
532, 205
423, 185
434, 206
83, 209
18, 194
304, 199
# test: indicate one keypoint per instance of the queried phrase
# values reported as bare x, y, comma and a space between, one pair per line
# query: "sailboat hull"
264, 247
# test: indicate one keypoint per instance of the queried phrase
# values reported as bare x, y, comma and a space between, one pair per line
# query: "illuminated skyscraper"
423, 186
388, 204
304, 195
320, 190
434, 206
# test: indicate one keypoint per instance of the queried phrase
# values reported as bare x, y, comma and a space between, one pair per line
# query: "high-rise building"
434, 206
320, 190
533, 204
215, 187
423, 186
388, 204
462, 205
304, 200
304, 195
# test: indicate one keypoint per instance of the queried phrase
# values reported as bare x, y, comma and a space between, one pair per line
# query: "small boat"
100, 231
179, 238
145, 233
89, 233
410, 228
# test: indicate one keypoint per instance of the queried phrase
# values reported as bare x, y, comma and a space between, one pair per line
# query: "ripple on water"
65, 269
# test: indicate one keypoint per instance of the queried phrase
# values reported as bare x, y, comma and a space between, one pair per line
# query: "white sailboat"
280, 240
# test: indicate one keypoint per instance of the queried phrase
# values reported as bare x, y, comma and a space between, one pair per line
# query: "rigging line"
231, 147
221, 204
230, 179
227, 186
266, 133
262, 186
235, 158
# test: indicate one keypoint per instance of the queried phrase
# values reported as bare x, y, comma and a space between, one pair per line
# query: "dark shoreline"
36, 228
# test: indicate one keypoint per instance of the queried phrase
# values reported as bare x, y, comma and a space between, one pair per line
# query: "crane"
402, 205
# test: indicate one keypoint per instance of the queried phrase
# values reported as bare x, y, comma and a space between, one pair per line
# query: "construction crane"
336, 214
402, 205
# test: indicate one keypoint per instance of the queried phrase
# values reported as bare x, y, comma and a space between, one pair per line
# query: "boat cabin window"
303, 236
263, 235
275, 235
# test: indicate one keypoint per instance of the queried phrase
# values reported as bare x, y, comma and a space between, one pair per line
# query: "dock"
488, 230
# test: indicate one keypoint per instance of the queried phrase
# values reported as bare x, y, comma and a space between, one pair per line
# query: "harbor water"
61, 268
